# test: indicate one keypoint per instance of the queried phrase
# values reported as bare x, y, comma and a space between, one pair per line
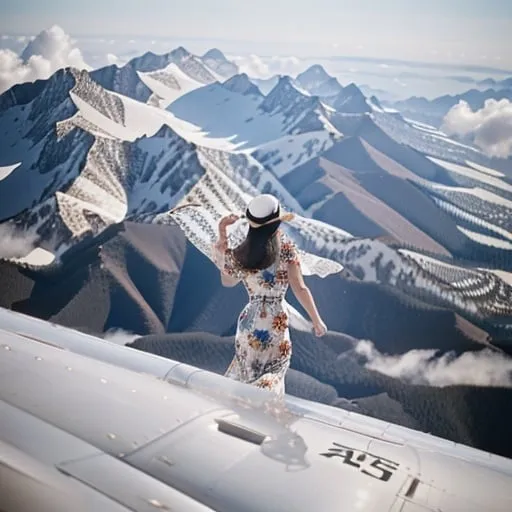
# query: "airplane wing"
87, 425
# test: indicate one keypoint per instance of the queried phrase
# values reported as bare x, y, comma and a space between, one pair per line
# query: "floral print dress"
262, 345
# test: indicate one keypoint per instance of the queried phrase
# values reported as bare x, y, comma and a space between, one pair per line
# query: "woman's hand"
319, 327
227, 220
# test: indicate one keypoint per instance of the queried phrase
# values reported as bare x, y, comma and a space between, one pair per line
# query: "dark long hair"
260, 247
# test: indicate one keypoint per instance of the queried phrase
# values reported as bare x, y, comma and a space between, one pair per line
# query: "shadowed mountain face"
145, 276
91, 164
364, 189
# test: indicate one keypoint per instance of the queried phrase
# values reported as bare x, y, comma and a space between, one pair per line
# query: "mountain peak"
283, 94
165, 132
328, 88
180, 53
352, 88
284, 80
315, 72
148, 54
301, 111
124, 80
350, 100
215, 54
218, 62
23, 93
242, 84
316, 81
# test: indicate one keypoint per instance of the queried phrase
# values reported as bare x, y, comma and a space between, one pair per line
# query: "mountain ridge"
92, 162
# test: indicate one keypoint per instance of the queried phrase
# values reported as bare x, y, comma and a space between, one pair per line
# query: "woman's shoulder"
288, 249
283, 237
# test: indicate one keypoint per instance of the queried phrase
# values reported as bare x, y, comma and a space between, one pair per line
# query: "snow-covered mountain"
475, 293
301, 113
395, 202
318, 82
265, 85
235, 110
107, 158
123, 80
286, 153
217, 61
175, 73
242, 85
350, 100
186, 61
85, 171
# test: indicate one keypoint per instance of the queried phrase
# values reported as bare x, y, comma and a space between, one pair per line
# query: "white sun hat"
265, 209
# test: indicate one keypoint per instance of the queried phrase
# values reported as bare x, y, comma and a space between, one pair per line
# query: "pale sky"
455, 31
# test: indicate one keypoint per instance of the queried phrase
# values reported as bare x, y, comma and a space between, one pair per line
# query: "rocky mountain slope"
91, 164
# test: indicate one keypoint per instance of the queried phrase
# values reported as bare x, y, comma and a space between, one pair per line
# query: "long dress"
262, 344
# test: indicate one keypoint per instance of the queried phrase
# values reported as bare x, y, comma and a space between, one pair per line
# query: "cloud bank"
15, 243
490, 127
265, 67
50, 50
120, 336
483, 368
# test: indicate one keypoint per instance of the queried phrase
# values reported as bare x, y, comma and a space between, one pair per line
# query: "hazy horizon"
465, 33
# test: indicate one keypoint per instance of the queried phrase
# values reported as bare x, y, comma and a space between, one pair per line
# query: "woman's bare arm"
305, 298
221, 248
219, 255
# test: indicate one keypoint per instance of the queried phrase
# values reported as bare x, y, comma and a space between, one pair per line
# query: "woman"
266, 262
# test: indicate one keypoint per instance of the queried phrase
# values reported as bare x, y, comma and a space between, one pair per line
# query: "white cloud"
120, 336
51, 50
15, 243
285, 65
252, 65
265, 67
112, 59
483, 368
490, 127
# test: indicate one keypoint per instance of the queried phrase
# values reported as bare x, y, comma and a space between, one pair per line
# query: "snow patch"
39, 257
286, 153
486, 239
472, 173
169, 84
484, 169
6, 170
